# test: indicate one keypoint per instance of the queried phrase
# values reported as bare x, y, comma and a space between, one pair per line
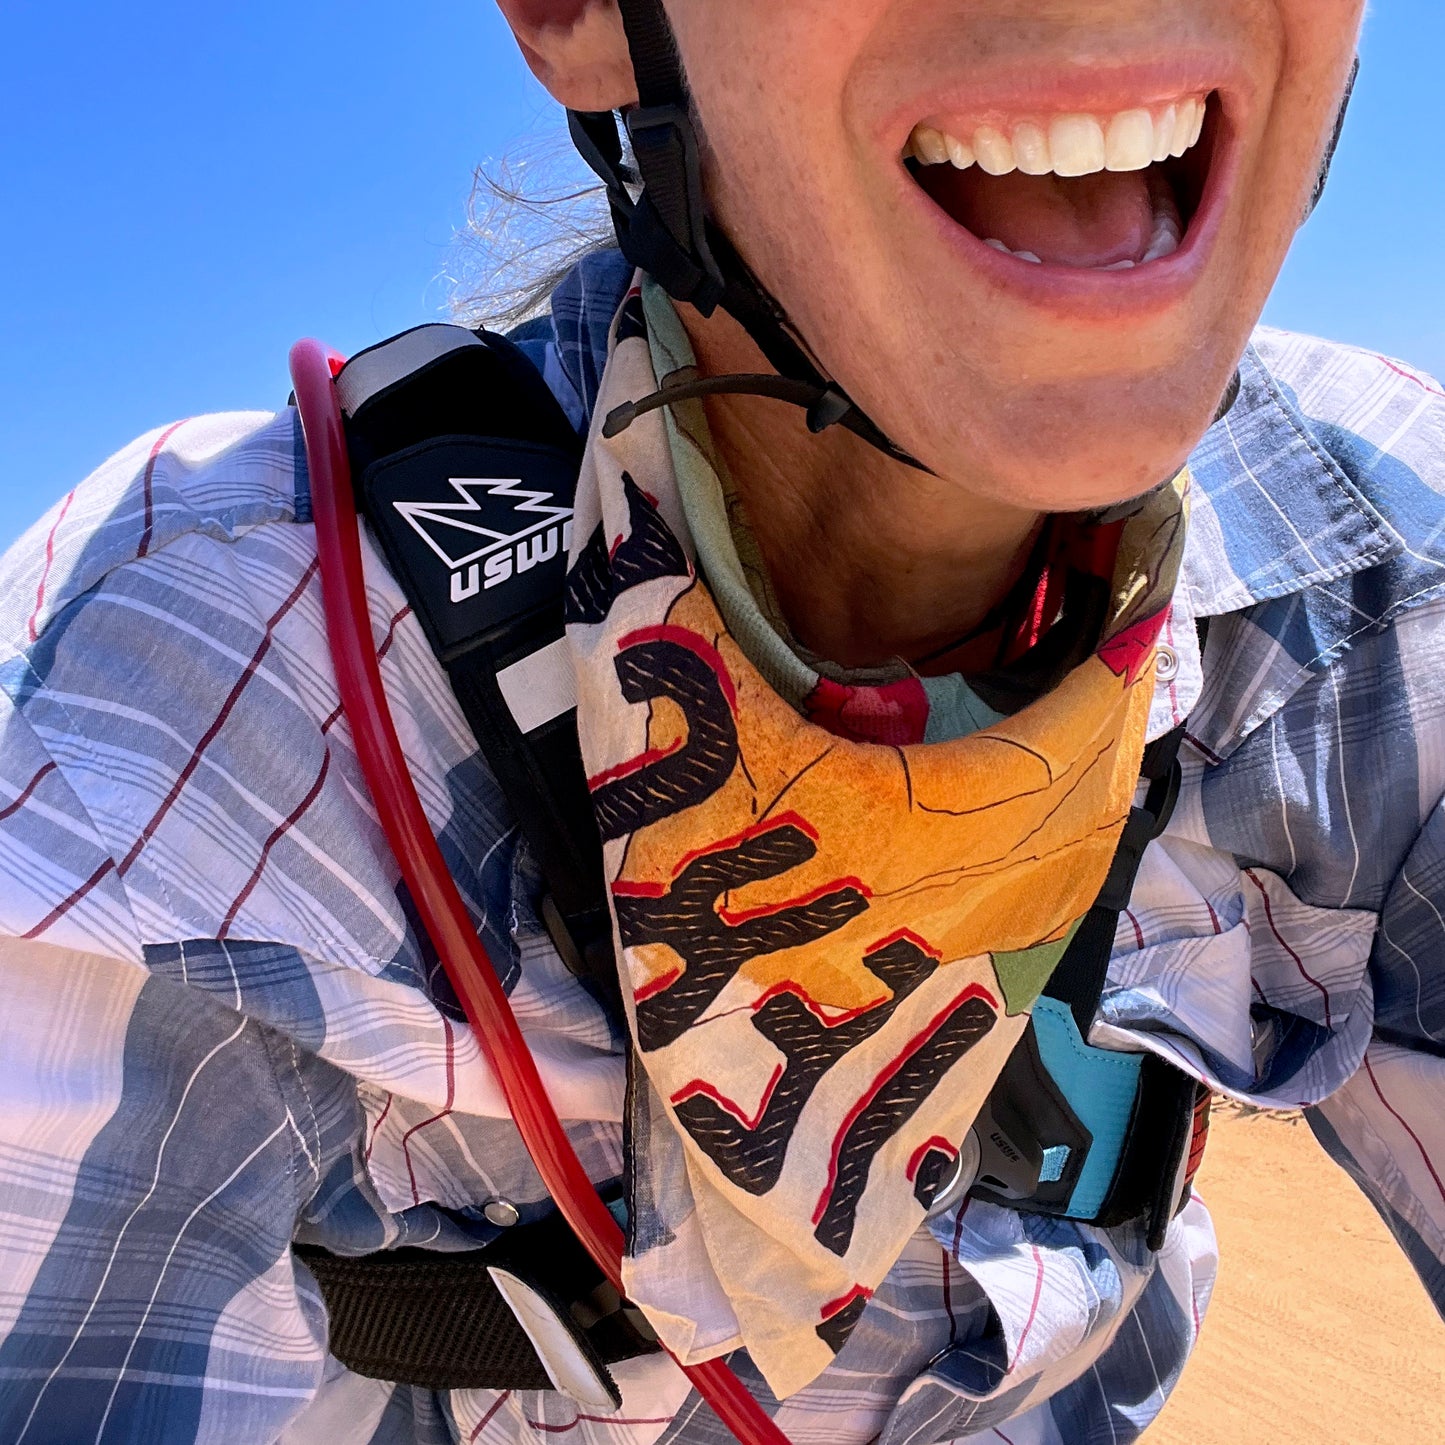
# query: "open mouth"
1089, 192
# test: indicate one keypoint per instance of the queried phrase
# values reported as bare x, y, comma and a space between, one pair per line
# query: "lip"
1077, 294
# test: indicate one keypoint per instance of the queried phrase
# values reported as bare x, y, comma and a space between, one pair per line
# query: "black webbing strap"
467, 470
1163, 1123
438, 1320
1028, 1118
655, 62
1084, 969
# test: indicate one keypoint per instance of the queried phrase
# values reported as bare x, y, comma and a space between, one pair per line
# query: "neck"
871, 560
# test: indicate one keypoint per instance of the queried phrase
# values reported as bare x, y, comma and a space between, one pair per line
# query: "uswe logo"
497, 530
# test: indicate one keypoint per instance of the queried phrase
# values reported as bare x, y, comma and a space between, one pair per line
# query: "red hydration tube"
444, 915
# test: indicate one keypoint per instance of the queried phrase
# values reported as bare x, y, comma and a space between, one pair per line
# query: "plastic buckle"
829, 409
671, 215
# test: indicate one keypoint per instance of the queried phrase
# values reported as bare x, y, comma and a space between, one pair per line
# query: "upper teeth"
1069, 145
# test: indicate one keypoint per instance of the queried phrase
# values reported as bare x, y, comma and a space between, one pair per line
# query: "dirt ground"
1319, 1333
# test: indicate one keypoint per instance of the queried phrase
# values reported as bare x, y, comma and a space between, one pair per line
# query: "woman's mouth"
1086, 192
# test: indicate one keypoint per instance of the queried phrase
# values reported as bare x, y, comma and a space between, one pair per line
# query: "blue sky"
187, 188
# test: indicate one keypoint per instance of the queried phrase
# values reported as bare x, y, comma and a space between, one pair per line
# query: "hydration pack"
466, 468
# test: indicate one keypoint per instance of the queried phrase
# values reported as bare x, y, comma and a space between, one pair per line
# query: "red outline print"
837, 1306
1127, 653
973, 991
730, 1106
691, 642
767, 825
830, 1018
629, 888
737, 917
926, 1148
661, 984
635, 765
920, 943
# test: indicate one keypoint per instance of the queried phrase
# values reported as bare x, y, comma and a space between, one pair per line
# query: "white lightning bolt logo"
457, 522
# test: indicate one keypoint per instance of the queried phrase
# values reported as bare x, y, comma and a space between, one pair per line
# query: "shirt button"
501, 1212
1166, 663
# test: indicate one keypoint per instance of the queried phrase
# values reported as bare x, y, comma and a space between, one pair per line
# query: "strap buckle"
667, 229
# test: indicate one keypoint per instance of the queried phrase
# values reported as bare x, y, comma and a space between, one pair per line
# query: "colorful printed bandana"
828, 947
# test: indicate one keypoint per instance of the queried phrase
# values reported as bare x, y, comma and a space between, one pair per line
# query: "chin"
1072, 447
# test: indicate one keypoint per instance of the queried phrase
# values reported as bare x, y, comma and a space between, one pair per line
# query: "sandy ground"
1319, 1332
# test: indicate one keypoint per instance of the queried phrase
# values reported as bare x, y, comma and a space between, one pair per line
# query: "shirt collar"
1273, 511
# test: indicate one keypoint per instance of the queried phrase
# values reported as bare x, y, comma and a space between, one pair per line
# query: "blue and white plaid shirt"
221, 1033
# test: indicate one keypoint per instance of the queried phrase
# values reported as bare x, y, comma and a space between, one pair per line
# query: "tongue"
1095, 220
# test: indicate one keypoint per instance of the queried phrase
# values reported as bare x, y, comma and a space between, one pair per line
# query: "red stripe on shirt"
1298, 961
1404, 1124
32, 627
12, 808
146, 486
277, 833
435, 1118
168, 802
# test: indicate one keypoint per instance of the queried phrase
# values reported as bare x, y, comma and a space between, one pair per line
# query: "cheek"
1320, 30
1318, 42
770, 79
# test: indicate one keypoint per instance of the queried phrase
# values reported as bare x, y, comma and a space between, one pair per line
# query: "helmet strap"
1324, 176
660, 216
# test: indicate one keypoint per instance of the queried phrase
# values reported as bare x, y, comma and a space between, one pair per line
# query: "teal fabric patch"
1100, 1086
955, 710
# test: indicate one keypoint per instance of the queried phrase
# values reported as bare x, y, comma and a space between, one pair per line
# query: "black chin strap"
1324, 176
664, 229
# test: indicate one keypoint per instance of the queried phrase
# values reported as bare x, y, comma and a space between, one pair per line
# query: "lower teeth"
1166, 241
1019, 255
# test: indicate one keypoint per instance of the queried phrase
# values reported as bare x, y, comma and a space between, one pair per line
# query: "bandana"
828, 947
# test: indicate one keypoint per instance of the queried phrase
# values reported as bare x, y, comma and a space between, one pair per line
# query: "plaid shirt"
222, 1032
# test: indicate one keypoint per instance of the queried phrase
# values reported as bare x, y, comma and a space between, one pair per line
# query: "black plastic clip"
829, 409
668, 225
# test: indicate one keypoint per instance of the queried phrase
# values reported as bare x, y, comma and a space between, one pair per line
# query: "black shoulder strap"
466, 470
454, 1320
1084, 969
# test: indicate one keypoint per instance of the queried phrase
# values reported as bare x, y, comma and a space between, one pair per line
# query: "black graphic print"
834, 1331
632, 321
686, 918
934, 1171
890, 1106
648, 552
657, 786
752, 1158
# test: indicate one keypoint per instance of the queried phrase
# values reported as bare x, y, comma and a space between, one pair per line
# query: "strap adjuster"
667, 227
